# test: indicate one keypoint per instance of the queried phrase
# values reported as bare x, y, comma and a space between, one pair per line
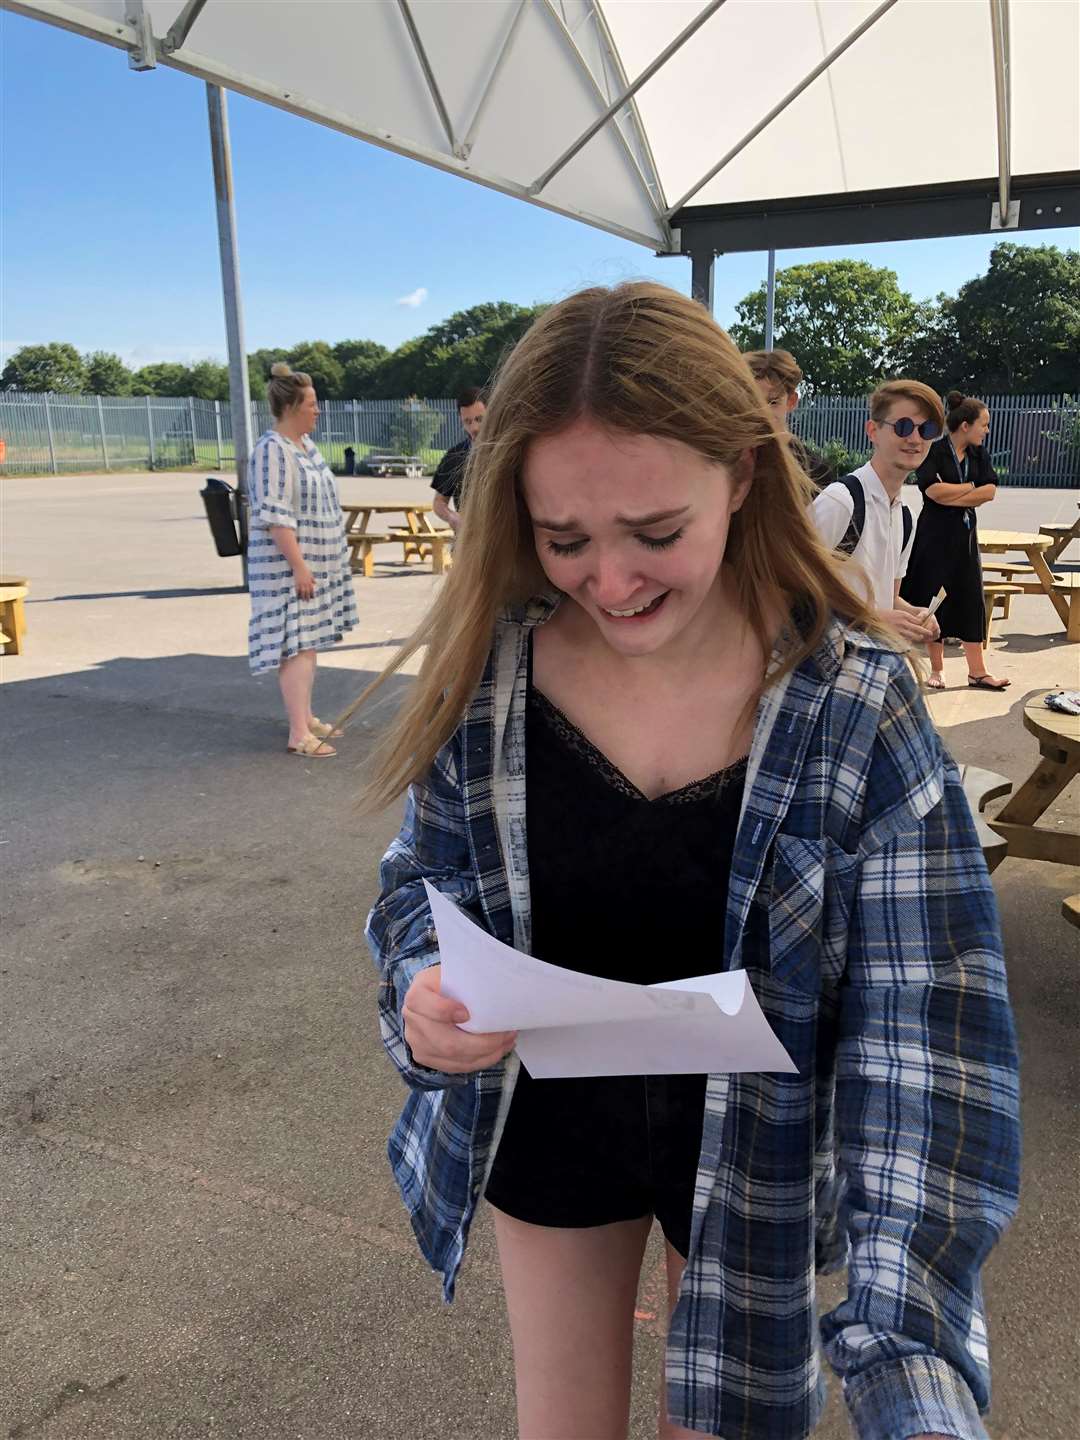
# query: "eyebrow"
632, 522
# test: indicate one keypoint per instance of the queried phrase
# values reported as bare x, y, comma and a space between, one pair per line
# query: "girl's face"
633, 528
978, 430
307, 410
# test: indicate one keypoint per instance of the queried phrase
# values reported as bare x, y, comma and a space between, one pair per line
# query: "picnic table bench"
419, 538
1059, 763
379, 464
1058, 588
13, 592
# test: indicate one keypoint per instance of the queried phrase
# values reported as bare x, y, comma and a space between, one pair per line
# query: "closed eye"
659, 542
663, 541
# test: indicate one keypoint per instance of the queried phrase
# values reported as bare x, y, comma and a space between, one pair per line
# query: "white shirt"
881, 551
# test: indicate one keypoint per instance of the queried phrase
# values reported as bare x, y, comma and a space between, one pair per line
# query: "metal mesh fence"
1034, 439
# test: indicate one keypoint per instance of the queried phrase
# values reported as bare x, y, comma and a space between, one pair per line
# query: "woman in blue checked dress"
302, 597
655, 735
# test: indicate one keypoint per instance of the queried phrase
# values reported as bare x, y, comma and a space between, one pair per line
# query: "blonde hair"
285, 389
778, 367
915, 391
638, 359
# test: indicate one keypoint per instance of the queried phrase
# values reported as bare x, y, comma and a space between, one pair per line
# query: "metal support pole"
150, 432
52, 439
101, 427
770, 302
702, 263
234, 317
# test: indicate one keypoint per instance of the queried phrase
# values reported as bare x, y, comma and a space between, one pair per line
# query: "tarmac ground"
199, 1232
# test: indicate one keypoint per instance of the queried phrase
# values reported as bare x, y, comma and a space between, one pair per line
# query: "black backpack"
853, 533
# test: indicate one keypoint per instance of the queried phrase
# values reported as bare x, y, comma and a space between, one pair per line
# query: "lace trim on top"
708, 788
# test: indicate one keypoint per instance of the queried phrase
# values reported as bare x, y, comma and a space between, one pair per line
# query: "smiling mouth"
639, 612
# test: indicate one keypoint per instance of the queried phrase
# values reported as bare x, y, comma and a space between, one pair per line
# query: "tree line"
849, 324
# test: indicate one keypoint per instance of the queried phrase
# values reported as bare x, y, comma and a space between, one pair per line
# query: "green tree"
1018, 326
167, 379
847, 323
462, 350
414, 427
345, 351
932, 351
360, 360
315, 358
57, 367
106, 374
209, 380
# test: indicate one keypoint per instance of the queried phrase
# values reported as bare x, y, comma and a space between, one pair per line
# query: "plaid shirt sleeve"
432, 844
926, 1097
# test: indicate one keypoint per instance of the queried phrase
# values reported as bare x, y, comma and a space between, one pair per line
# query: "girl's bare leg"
570, 1294
667, 1430
311, 686
296, 676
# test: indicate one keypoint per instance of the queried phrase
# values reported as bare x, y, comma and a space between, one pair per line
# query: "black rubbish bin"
218, 499
350, 460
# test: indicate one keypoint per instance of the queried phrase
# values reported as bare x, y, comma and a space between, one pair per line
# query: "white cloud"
413, 299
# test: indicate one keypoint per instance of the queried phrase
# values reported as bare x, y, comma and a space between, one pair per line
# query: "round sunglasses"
929, 429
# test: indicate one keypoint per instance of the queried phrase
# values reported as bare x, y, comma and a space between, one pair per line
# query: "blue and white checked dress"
290, 484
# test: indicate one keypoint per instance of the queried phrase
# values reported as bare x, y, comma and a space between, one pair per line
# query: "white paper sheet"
572, 1024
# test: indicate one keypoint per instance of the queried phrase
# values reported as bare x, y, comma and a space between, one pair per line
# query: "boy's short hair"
915, 391
779, 367
469, 396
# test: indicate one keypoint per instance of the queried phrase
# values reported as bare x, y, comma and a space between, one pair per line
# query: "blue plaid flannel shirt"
860, 905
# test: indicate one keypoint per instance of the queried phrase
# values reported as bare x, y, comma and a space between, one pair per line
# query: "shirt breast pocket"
813, 882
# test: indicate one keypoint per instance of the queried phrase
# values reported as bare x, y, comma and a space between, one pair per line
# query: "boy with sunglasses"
862, 514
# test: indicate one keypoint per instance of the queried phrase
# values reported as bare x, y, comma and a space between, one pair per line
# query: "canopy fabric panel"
533, 97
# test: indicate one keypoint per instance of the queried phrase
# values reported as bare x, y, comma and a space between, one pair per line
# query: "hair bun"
954, 398
280, 368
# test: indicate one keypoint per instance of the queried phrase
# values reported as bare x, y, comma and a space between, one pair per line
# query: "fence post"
150, 431
101, 427
191, 418
52, 442
217, 433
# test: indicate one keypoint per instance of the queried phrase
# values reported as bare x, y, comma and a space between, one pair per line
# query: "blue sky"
109, 237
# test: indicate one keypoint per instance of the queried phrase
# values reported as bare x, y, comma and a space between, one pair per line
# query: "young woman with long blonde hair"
656, 734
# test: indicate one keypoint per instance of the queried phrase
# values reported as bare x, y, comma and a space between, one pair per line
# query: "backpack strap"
905, 515
853, 534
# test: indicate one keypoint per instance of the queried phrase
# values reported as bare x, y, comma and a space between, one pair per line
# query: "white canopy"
644, 116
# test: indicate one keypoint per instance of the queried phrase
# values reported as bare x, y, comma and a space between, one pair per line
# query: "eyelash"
574, 546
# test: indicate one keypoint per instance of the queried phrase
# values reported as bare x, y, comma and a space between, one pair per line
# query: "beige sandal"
313, 748
322, 729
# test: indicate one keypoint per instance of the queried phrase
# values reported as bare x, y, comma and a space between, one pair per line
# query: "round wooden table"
1059, 763
1001, 542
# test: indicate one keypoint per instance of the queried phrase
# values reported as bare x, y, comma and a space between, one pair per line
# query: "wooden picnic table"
1059, 763
419, 536
1060, 536
1045, 582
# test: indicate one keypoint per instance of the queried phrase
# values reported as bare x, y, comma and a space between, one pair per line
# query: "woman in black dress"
955, 478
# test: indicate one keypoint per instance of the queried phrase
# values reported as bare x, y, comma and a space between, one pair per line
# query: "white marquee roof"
530, 96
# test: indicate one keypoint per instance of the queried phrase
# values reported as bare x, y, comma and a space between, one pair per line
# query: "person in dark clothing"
447, 480
778, 378
955, 478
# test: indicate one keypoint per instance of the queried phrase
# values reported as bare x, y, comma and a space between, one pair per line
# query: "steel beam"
180, 29
778, 109
429, 74
625, 95
999, 32
221, 155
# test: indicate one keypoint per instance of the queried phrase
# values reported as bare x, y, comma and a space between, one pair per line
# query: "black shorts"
579, 1153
